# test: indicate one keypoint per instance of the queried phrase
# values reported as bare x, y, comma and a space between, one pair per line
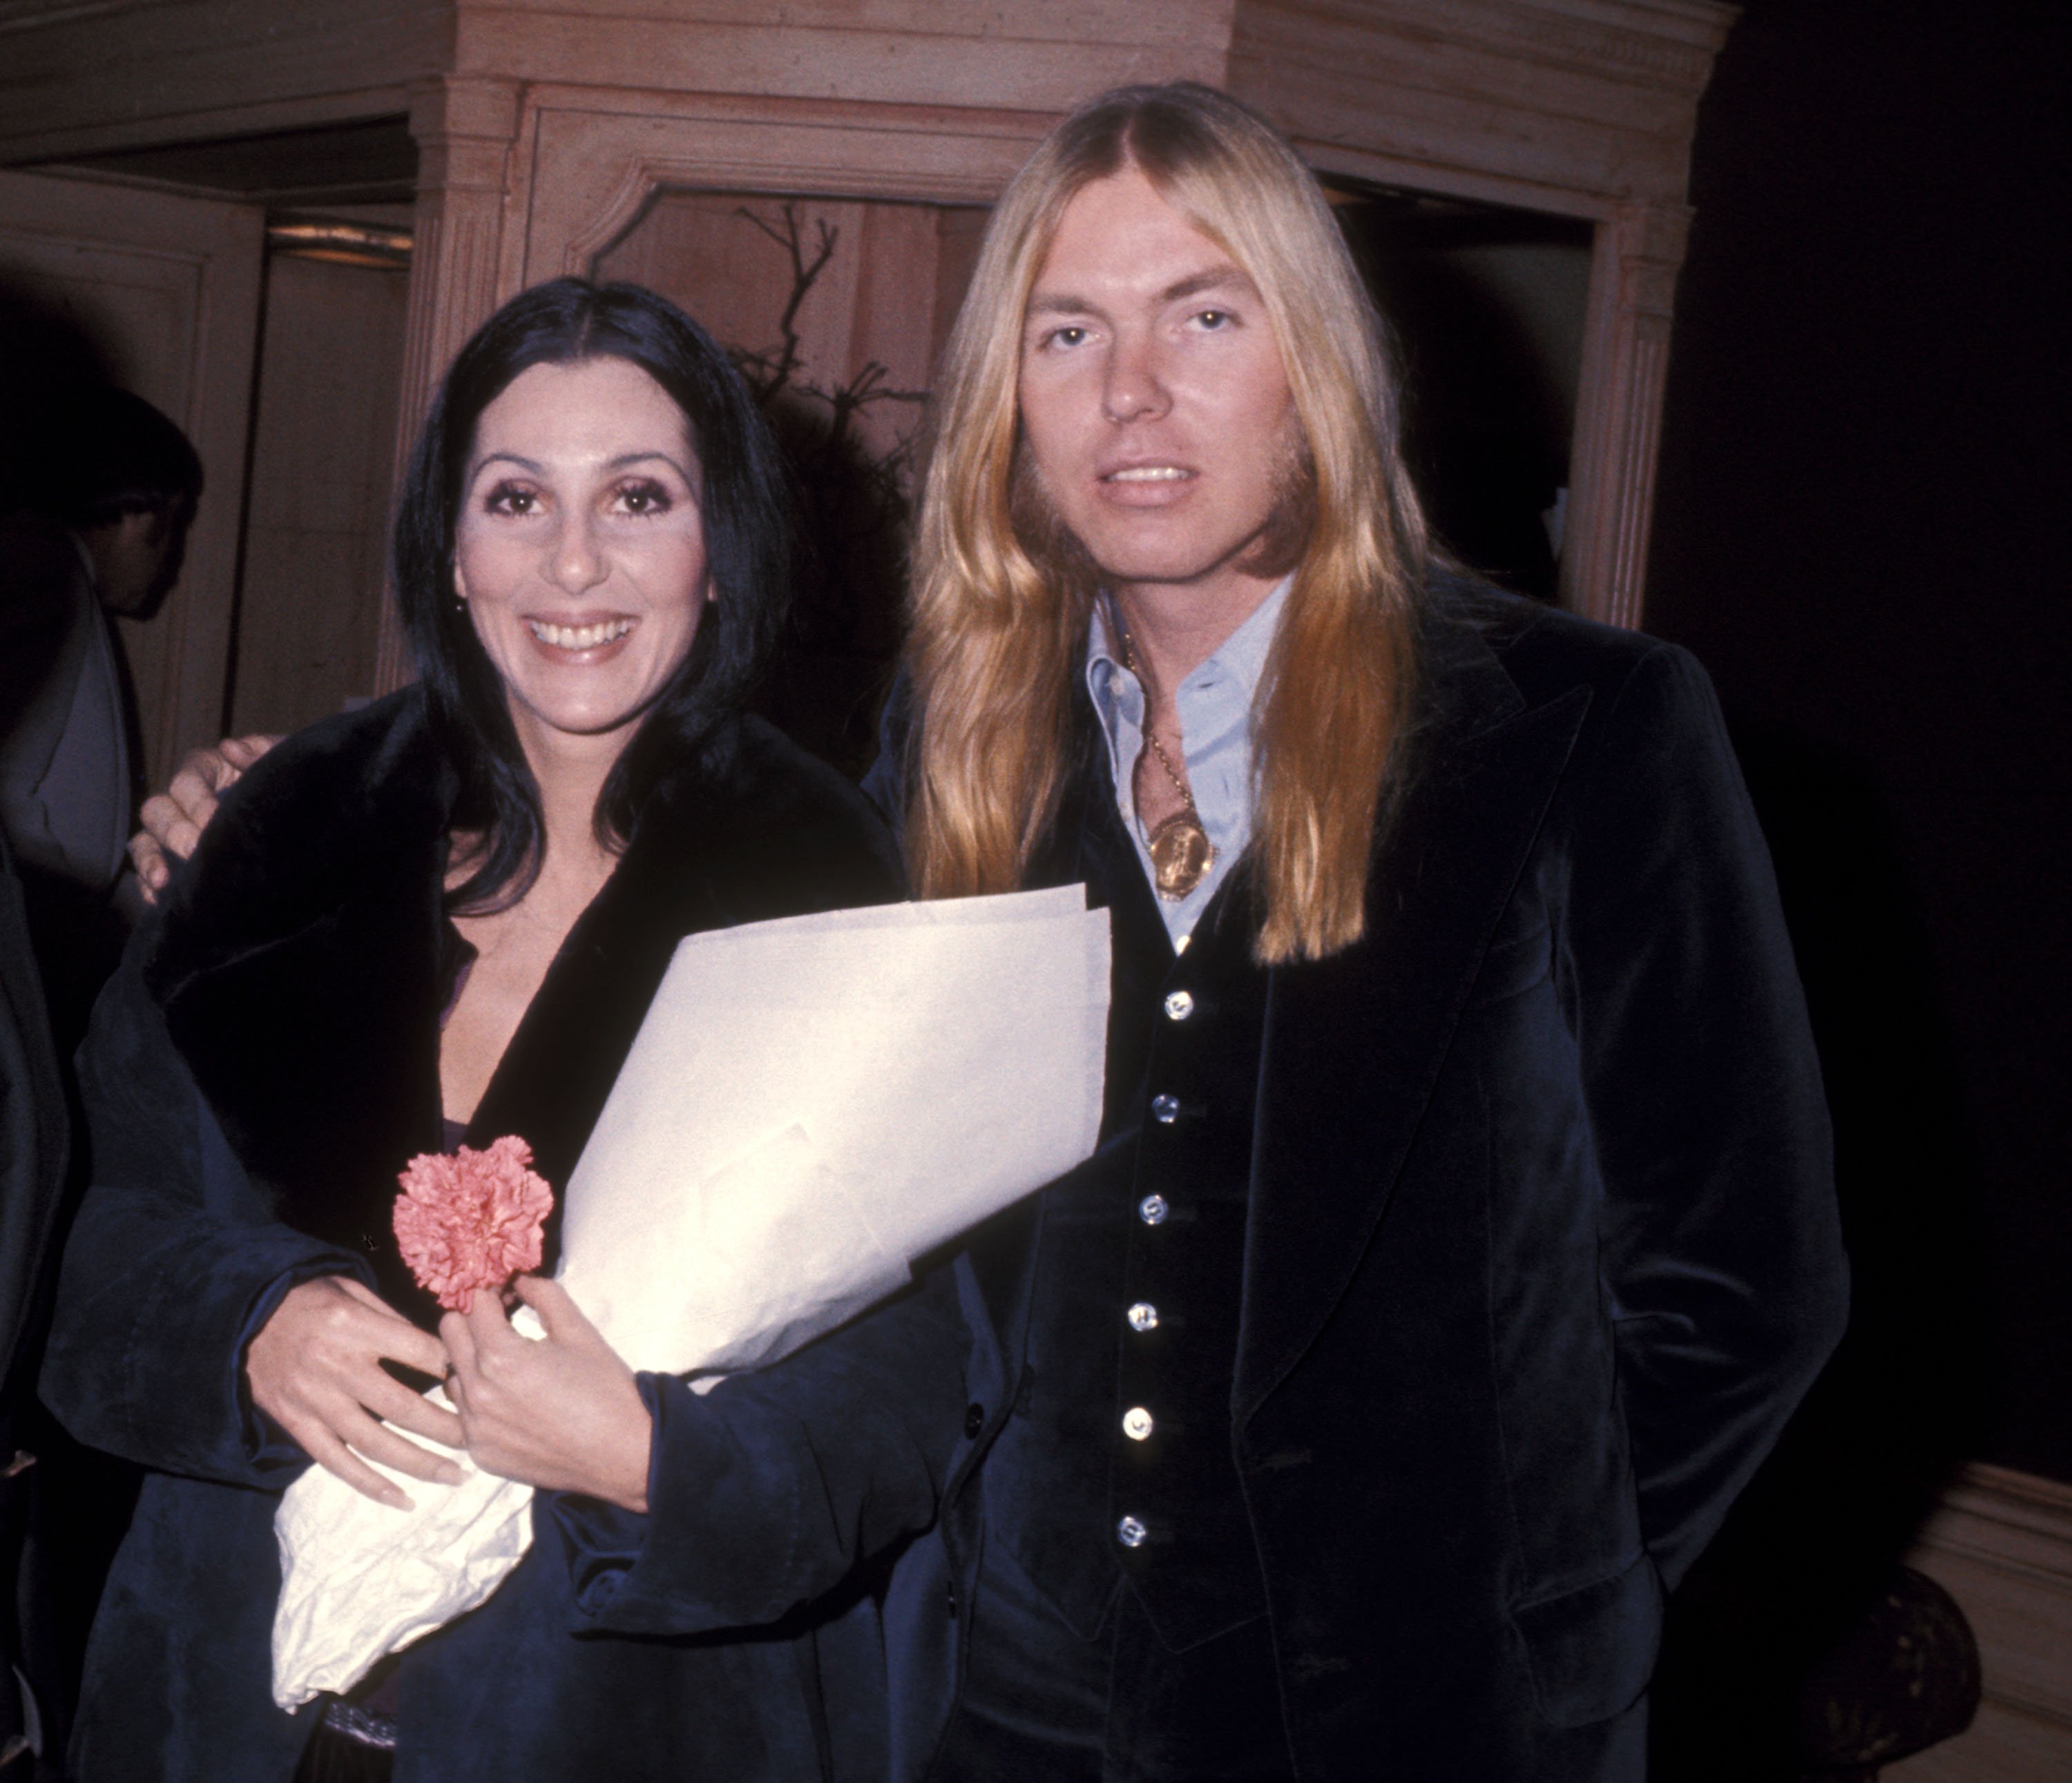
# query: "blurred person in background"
93, 525
98, 528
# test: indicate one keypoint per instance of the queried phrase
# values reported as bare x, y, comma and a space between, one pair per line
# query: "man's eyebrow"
1213, 278
1059, 303
1216, 278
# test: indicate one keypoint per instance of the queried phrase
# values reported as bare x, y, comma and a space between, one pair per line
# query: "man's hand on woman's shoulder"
175, 818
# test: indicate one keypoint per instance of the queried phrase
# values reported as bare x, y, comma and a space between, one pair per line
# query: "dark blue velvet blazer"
263, 1064
1542, 1246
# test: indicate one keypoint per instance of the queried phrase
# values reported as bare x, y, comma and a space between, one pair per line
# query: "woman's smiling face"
580, 547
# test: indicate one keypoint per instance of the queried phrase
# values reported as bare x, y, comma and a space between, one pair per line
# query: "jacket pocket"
1592, 1650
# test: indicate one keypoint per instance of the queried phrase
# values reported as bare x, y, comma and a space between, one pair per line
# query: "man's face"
136, 559
1154, 402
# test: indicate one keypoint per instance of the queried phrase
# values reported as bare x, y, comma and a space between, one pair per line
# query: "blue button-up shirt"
1215, 704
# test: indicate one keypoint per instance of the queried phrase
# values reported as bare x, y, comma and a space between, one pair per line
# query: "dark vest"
1121, 1457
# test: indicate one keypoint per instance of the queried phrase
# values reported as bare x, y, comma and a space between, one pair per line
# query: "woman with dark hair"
440, 920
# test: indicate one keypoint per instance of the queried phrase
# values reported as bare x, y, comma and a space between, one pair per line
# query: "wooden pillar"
464, 129
1618, 428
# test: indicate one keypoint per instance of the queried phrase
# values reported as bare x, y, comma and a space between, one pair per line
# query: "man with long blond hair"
1461, 1231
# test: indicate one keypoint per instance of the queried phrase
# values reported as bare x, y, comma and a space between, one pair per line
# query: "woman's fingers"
338, 1432
564, 1319
486, 1319
460, 1351
398, 1405
455, 1334
315, 1368
563, 1414
368, 1439
493, 1344
378, 1442
400, 1341
385, 1397
333, 1456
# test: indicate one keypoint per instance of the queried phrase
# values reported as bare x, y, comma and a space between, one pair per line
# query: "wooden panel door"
165, 289
316, 534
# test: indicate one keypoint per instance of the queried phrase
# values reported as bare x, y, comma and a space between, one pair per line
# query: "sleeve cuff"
604, 1542
267, 1446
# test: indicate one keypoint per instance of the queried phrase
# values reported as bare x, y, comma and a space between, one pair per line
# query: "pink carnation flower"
471, 1220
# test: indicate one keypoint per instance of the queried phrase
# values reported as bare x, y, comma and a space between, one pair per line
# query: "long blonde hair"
1000, 618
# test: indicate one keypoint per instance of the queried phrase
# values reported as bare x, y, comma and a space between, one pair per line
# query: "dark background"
1862, 530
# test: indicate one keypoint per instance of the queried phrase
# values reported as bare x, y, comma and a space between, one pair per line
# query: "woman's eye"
509, 498
644, 497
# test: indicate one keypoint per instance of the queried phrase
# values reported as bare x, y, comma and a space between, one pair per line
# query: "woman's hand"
315, 1368
175, 818
563, 1414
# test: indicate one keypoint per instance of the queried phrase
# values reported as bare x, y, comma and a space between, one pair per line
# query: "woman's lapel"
297, 965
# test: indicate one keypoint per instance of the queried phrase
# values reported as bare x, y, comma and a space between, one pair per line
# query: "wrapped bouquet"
810, 1104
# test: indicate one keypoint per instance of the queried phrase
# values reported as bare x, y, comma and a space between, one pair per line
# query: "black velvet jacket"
1541, 1246
262, 1066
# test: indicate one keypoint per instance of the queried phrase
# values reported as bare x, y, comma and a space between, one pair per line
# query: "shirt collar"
1238, 661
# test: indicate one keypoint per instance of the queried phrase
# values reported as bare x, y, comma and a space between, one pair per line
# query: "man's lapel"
1353, 1045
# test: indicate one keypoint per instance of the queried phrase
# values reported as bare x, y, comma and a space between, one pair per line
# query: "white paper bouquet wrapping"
810, 1104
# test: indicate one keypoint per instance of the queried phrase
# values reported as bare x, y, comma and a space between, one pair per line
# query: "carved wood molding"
1618, 425
1596, 99
590, 166
1667, 43
976, 53
80, 77
465, 131
17, 16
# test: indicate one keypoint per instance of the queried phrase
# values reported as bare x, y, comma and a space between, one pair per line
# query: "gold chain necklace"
1180, 851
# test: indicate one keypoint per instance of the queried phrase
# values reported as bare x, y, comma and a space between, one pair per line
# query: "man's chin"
1179, 555
1173, 569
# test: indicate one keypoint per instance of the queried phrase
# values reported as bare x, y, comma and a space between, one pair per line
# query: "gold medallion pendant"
1180, 849
1180, 854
